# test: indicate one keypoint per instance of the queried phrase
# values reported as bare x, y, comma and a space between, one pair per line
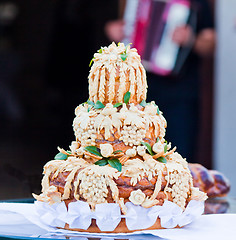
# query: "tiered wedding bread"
120, 156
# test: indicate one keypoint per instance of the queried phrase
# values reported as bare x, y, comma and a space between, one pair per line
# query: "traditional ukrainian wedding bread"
120, 174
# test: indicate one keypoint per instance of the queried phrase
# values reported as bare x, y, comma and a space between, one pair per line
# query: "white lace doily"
108, 215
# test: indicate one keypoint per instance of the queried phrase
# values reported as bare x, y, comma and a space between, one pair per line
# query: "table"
218, 205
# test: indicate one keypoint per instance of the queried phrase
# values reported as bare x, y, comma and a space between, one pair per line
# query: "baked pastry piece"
120, 157
216, 205
212, 182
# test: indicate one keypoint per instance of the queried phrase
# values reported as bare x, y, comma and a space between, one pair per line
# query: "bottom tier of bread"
121, 227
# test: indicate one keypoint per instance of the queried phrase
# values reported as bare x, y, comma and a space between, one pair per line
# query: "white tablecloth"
20, 219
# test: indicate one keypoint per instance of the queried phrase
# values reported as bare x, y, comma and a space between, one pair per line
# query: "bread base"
121, 228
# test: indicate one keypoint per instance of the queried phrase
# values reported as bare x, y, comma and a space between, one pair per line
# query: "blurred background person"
177, 93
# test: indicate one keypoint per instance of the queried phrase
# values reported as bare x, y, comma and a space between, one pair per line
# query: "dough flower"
141, 150
158, 147
131, 152
106, 149
137, 197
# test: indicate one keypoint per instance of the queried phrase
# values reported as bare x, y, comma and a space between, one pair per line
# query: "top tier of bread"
115, 71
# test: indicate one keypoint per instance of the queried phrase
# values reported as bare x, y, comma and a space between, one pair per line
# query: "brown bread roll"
212, 182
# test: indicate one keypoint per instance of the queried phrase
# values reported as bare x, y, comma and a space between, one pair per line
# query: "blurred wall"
225, 91
45, 50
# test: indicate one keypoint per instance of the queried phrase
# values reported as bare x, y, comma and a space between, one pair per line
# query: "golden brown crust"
119, 145
111, 76
146, 183
123, 184
127, 125
121, 228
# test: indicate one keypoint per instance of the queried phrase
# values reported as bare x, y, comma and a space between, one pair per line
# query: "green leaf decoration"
100, 50
89, 108
115, 163
127, 46
61, 156
117, 151
143, 103
91, 103
157, 139
94, 150
165, 148
99, 105
91, 62
102, 162
69, 152
162, 159
123, 56
127, 97
149, 148
117, 105
158, 111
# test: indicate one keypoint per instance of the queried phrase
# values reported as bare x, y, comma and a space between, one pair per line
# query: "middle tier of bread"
124, 127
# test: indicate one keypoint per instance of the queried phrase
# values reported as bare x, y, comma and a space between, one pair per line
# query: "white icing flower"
106, 149
137, 197
158, 147
141, 150
131, 152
